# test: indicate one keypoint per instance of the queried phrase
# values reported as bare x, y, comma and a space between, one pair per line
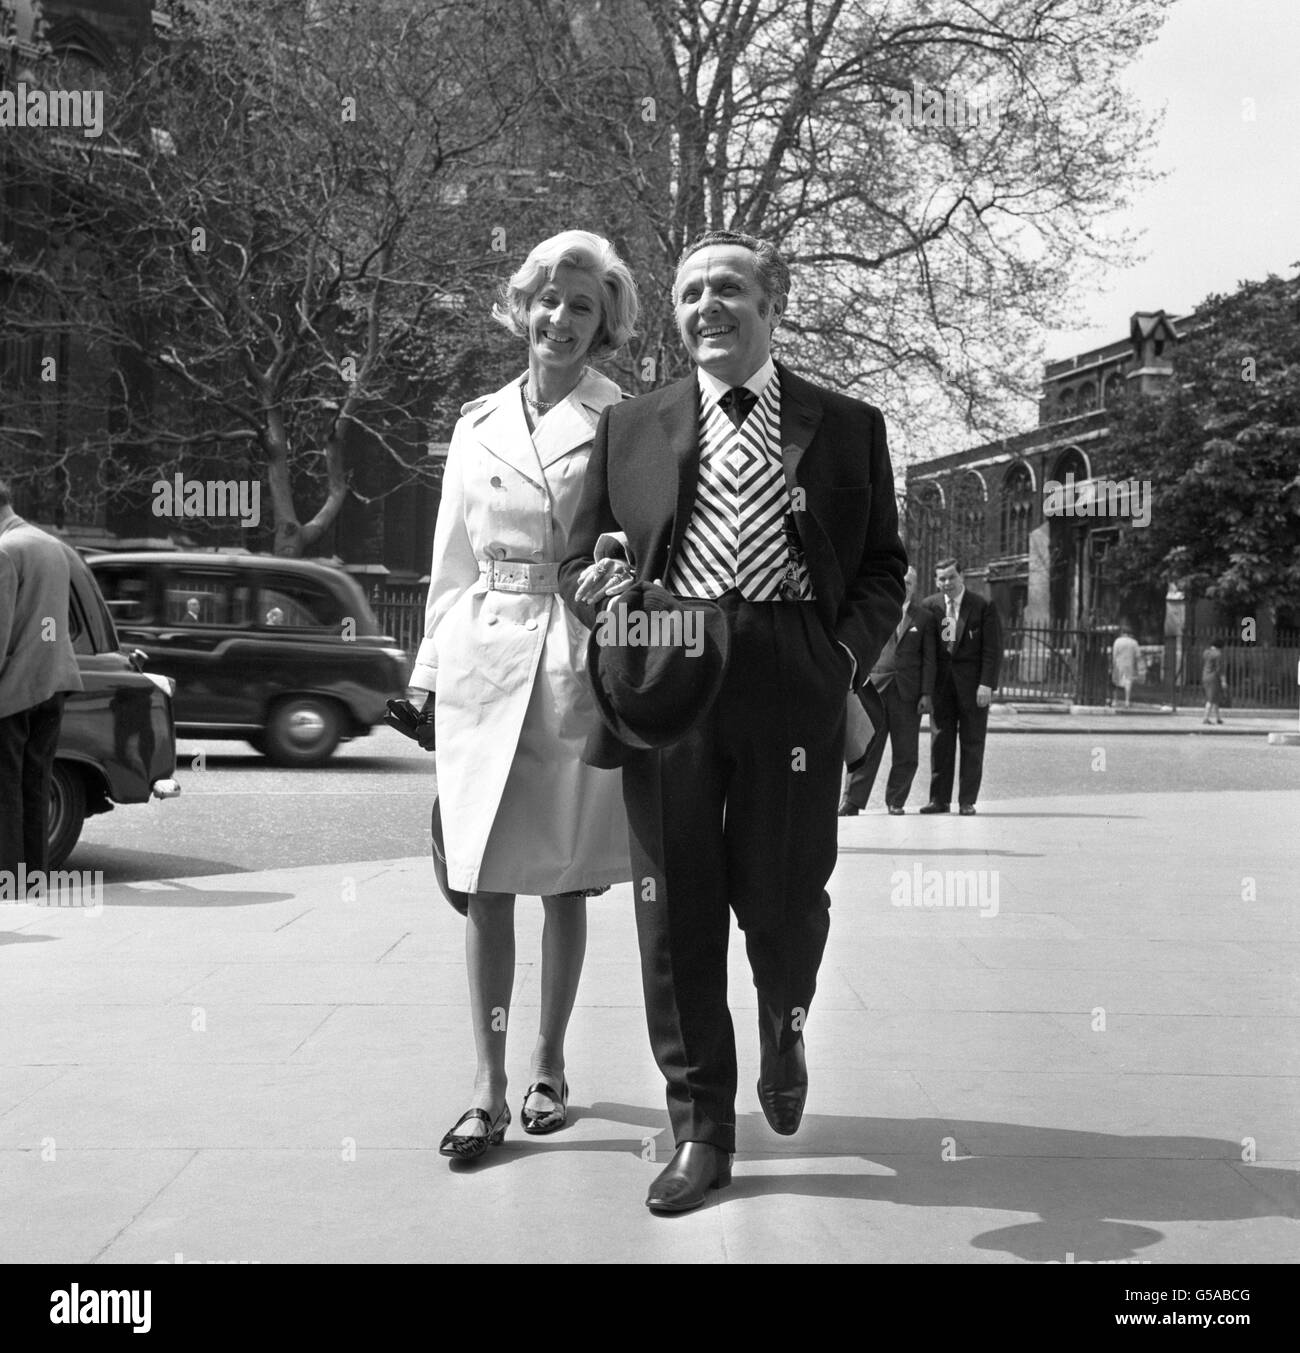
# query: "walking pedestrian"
37, 669
521, 813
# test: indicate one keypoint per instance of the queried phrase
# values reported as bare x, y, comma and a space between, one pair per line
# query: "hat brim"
642, 736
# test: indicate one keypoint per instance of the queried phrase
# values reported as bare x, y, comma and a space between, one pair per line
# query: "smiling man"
747, 486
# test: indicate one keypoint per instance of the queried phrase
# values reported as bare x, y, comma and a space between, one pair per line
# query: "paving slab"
258, 1067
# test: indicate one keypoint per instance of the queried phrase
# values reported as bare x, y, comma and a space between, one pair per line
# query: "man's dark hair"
769, 267
953, 560
6, 494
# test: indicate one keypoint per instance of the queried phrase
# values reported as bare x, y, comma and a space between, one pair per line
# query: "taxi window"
198, 598
127, 591
297, 603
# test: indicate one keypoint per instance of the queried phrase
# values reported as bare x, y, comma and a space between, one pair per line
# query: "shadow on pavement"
1089, 1189
181, 895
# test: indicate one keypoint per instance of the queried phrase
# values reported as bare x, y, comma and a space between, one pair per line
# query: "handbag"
458, 900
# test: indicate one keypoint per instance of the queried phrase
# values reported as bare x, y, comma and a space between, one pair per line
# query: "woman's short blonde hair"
591, 253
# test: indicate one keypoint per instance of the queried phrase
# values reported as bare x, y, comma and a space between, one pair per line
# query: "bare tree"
936, 171
271, 250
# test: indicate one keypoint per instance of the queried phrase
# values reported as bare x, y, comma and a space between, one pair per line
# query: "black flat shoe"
783, 1087
696, 1167
895, 812
849, 810
539, 1124
968, 810
933, 808
460, 1147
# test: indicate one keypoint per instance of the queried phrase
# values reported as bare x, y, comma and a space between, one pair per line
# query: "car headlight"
164, 684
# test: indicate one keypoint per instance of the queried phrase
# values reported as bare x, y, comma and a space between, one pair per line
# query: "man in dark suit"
970, 654
899, 690
746, 485
37, 668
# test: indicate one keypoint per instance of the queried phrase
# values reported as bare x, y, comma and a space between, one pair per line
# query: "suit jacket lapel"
679, 425
801, 416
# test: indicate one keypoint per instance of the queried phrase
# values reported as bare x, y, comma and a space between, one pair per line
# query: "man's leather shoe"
895, 812
933, 808
849, 810
968, 810
783, 1087
696, 1167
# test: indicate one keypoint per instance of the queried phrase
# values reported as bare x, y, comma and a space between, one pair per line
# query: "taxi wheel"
67, 812
303, 731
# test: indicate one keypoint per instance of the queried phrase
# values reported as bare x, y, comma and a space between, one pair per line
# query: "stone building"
1039, 556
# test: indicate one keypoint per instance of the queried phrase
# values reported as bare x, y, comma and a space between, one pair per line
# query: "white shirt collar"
712, 389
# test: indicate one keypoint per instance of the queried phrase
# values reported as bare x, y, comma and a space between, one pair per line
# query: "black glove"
411, 722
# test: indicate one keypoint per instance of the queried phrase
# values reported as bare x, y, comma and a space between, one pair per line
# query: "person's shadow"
1091, 1190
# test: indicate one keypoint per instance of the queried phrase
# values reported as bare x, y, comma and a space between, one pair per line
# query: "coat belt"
510, 575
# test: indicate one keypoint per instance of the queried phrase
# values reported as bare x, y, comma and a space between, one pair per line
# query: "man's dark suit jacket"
976, 657
642, 477
915, 657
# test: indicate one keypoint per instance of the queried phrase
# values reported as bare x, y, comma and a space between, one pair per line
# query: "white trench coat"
521, 813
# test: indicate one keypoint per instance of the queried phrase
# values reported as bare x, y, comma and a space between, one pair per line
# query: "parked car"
117, 743
283, 653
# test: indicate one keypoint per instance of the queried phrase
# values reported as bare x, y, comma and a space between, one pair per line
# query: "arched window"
1087, 397
1068, 404
1017, 509
969, 498
923, 527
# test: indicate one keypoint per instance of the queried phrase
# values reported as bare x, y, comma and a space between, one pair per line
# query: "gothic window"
968, 504
1017, 509
924, 530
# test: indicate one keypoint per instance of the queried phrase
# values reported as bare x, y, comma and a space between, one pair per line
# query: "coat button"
492, 620
530, 624
496, 481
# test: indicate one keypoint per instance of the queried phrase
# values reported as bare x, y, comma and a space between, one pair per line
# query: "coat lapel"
500, 426
801, 416
679, 425
573, 423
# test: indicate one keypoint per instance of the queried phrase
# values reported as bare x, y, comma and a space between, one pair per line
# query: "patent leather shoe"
783, 1087
933, 808
696, 1167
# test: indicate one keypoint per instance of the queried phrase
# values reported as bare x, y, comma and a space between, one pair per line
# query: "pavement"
1094, 719
1095, 1062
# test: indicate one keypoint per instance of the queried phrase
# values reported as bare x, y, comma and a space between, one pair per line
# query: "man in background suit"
37, 668
750, 487
898, 692
970, 654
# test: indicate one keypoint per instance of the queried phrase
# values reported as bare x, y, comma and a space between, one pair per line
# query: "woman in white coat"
521, 813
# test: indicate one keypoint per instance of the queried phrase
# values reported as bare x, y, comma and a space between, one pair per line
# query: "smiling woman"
520, 811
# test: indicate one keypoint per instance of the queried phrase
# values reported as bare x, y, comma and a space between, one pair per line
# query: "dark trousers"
895, 720
27, 742
956, 719
740, 815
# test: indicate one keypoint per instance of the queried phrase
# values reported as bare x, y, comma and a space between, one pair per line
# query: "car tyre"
303, 731
67, 811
